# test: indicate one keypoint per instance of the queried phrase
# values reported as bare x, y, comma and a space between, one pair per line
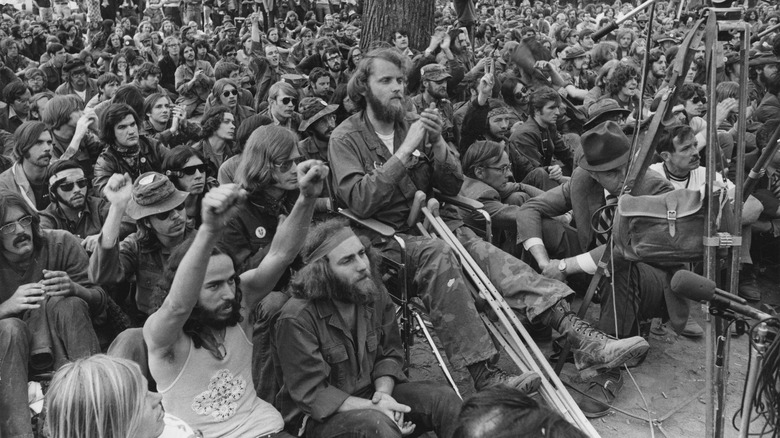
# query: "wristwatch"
562, 266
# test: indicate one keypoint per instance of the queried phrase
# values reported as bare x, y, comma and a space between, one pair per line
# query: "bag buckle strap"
671, 217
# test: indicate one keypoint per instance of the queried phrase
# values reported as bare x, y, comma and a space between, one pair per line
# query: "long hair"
219, 87
267, 145
480, 154
316, 281
115, 113
358, 83
500, 411
620, 77
150, 101
27, 135
9, 199
212, 119
95, 397
194, 326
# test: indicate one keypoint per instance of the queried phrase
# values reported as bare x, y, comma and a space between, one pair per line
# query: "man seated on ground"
72, 208
147, 80
434, 92
199, 349
641, 291
107, 84
158, 211
319, 84
27, 176
282, 99
379, 162
126, 151
77, 83
73, 130
340, 352
681, 166
538, 144
46, 306
194, 79
16, 107
501, 412
318, 122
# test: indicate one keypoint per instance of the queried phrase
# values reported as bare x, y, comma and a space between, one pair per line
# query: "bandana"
329, 245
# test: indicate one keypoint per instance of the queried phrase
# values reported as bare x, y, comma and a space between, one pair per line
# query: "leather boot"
594, 351
485, 375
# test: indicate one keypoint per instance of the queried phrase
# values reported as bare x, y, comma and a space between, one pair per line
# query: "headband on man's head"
330, 244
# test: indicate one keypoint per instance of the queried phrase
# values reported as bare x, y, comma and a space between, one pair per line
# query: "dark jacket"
530, 147
324, 363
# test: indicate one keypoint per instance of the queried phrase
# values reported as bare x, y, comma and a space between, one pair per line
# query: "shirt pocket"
372, 341
337, 357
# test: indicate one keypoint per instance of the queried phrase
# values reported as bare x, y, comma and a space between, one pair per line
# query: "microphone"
698, 288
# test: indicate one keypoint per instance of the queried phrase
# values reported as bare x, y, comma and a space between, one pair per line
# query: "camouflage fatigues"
373, 183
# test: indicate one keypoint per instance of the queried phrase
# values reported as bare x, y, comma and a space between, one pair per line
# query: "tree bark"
383, 17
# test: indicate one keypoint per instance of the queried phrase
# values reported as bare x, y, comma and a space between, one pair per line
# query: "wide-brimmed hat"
601, 109
313, 109
573, 52
604, 147
153, 193
434, 72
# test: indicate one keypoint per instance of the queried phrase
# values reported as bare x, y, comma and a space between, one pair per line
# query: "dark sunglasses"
232, 92
288, 100
68, 186
699, 100
286, 165
190, 170
230, 54
167, 214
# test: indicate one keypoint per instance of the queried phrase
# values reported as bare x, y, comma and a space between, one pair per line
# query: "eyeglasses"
286, 165
10, 227
699, 100
68, 186
288, 100
506, 168
333, 58
228, 93
167, 214
190, 170
230, 54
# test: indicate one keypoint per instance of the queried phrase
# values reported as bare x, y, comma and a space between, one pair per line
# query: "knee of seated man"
13, 329
68, 307
374, 423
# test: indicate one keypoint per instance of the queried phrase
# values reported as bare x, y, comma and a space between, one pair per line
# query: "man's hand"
90, 243
551, 271
57, 284
219, 205
27, 297
725, 108
177, 114
88, 117
119, 190
386, 404
555, 172
414, 138
312, 175
432, 122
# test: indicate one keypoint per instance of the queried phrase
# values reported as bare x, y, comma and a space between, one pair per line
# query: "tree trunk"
383, 17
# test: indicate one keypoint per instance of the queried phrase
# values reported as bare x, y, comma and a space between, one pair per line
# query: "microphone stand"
599, 34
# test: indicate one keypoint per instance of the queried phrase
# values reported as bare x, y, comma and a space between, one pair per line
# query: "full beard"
210, 318
386, 113
364, 291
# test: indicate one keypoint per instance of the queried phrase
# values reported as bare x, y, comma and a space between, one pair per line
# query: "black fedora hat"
604, 147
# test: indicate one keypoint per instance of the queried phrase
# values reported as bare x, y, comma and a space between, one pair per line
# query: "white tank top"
217, 397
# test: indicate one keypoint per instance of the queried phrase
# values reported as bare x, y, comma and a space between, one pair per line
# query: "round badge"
143, 159
260, 232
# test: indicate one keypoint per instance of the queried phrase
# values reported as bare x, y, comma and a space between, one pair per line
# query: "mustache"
22, 238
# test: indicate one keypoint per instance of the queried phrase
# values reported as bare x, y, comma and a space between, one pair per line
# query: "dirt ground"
671, 379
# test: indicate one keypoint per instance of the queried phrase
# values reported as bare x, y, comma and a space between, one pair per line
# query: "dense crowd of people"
172, 264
